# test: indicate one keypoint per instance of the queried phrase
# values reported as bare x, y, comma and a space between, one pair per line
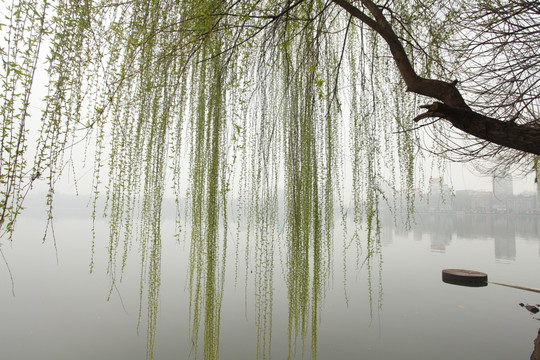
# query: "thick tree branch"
452, 106
506, 133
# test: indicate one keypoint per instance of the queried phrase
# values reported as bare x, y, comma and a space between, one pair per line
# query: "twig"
9, 271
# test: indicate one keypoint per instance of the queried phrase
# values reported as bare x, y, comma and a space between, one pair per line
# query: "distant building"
503, 186
462, 200
503, 191
481, 201
440, 196
524, 203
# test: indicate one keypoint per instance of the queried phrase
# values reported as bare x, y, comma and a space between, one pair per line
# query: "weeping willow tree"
248, 100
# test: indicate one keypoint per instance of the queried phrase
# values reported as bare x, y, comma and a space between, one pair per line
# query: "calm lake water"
60, 310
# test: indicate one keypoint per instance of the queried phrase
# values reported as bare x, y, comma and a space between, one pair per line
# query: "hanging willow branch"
453, 108
280, 106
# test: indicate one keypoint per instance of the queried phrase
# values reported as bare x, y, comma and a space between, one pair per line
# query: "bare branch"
452, 106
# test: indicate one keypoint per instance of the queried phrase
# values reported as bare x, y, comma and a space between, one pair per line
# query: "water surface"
399, 309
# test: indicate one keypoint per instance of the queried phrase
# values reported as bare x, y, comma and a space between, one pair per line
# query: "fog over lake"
398, 307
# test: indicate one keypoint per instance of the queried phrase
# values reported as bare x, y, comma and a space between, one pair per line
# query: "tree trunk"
452, 106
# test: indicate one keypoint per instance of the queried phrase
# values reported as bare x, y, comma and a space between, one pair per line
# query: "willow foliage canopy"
240, 99
260, 91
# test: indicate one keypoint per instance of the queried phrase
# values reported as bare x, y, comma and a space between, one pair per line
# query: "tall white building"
503, 187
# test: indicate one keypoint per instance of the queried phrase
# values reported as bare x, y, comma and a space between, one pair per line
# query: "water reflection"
442, 228
306, 261
282, 296
306, 250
